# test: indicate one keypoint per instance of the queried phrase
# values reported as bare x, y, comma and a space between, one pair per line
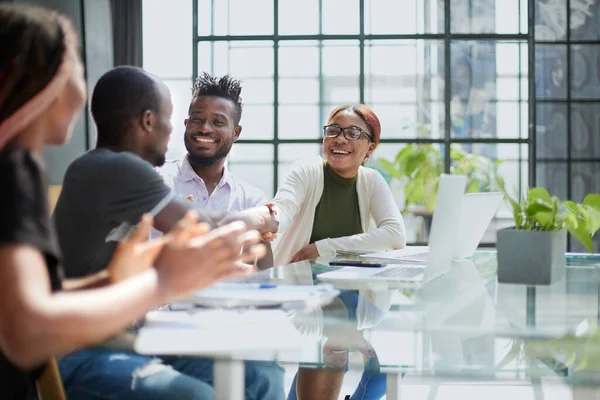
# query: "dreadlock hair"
225, 87
32, 49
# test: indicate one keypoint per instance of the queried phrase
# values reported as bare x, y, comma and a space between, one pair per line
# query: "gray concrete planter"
531, 257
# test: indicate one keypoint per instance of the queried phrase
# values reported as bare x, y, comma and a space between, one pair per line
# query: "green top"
337, 213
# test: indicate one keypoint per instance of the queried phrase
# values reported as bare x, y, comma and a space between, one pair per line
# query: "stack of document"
261, 295
216, 333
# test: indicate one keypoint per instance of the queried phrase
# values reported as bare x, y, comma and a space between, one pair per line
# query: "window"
443, 73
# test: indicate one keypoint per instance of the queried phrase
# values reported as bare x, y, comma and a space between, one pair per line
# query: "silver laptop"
444, 229
477, 211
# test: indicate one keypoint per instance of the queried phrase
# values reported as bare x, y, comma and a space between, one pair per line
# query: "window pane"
550, 71
585, 72
231, 17
252, 62
524, 16
484, 16
300, 122
340, 16
181, 95
552, 176
298, 90
584, 179
550, 20
290, 153
254, 164
478, 71
408, 16
299, 72
585, 20
340, 72
167, 38
404, 84
299, 58
585, 130
298, 17
551, 130
257, 122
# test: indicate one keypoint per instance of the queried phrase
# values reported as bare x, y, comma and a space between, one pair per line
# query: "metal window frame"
447, 37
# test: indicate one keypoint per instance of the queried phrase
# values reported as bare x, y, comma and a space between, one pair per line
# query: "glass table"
462, 325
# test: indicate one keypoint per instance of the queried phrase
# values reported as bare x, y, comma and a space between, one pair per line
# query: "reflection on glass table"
463, 324
460, 326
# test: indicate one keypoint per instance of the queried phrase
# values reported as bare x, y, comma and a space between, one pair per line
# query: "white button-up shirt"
230, 195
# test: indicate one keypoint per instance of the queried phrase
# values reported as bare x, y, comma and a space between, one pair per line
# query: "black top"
24, 218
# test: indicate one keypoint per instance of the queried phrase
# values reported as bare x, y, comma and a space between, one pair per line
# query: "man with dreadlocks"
213, 124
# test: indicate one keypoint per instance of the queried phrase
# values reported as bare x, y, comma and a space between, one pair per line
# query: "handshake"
192, 255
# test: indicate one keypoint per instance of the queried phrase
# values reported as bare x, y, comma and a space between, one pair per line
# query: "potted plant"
419, 167
533, 251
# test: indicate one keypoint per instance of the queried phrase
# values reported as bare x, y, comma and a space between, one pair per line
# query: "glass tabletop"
463, 323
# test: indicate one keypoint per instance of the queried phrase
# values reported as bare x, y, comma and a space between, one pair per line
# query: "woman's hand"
136, 253
306, 253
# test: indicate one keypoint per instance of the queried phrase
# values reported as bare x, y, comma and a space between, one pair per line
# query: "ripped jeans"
97, 374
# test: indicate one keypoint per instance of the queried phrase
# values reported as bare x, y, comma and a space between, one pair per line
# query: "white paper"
398, 254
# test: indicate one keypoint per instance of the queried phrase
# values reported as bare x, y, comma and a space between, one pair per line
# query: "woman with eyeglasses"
336, 203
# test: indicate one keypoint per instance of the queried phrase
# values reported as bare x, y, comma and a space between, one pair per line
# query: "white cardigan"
297, 201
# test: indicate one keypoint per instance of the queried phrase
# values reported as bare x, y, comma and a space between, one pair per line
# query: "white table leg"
392, 383
229, 380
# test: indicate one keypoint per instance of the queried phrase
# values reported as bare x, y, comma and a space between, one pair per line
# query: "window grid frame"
447, 37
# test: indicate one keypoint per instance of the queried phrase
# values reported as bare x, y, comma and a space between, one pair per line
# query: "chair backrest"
49, 384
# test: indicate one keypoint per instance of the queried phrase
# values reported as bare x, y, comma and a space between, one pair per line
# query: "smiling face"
343, 155
210, 130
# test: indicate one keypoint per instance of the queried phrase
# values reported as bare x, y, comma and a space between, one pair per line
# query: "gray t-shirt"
104, 194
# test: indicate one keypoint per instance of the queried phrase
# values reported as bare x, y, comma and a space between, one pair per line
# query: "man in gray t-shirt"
104, 194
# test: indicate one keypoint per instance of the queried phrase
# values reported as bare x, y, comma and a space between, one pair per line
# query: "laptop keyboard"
416, 258
400, 272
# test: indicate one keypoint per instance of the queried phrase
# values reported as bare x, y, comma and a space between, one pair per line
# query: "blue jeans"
372, 385
95, 374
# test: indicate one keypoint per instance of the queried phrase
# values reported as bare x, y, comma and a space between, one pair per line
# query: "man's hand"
135, 254
306, 253
260, 218
195, 257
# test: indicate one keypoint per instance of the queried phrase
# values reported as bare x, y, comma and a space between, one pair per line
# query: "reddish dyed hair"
366, 114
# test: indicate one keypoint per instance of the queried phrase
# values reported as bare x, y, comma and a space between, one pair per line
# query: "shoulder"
169, 170
23, 175
372, 178
309, 169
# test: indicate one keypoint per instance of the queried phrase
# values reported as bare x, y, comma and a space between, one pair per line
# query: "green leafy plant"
537, 210
420, 167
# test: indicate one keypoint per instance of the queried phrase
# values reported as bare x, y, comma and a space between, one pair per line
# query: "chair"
49, 384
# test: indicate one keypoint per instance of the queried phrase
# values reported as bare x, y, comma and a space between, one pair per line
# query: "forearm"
386, 237
254, 218
99, 279
66, 321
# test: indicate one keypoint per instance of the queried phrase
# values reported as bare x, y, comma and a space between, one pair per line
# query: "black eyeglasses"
351, 133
